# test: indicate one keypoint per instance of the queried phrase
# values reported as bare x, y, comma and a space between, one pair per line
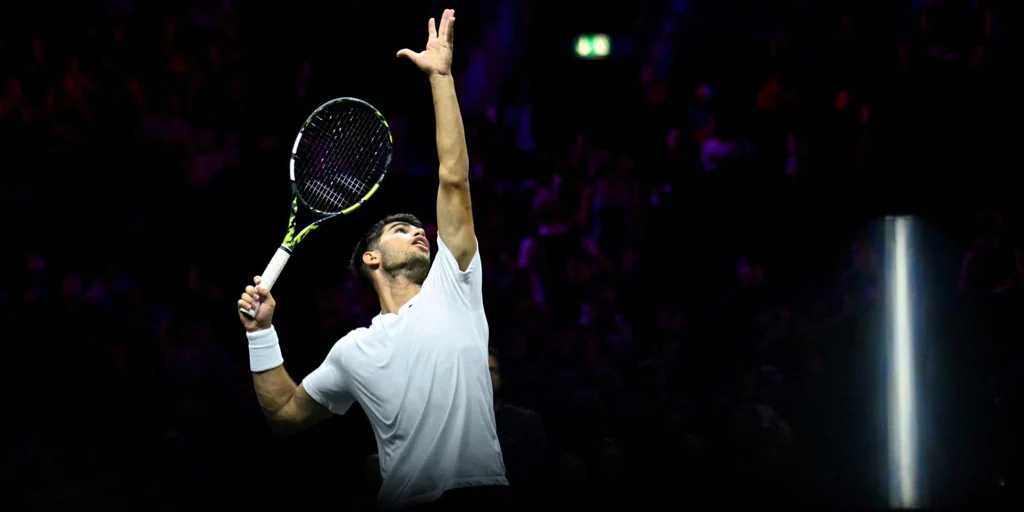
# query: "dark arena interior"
688, 214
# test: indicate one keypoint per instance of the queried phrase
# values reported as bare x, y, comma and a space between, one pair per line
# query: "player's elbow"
285, 421
297, 415
283, 426
454, 175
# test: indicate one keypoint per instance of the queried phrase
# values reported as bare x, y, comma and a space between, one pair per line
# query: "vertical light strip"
902, 407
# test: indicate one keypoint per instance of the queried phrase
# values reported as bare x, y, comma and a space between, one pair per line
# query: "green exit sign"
593, 46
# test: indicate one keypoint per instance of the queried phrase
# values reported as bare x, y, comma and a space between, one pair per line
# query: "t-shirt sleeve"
447, 279
329, 384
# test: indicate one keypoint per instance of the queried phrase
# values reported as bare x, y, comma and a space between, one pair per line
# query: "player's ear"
371, 259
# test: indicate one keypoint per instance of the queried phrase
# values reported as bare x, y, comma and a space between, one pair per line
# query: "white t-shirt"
422, 377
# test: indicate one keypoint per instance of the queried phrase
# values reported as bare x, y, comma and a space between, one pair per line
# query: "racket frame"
293, 236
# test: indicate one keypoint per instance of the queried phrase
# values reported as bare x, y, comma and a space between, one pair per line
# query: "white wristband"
264, 350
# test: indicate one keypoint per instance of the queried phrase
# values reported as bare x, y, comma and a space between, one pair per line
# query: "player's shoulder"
342, 346
446, 257
354, 335
349, 338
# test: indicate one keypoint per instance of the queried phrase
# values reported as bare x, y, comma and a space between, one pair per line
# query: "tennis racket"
338, 160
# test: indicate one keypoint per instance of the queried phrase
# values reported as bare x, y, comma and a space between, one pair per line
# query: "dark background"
706, 322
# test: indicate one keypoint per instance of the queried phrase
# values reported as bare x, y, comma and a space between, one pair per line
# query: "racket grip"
269, 276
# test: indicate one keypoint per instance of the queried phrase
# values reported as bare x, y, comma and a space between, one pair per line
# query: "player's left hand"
436, 59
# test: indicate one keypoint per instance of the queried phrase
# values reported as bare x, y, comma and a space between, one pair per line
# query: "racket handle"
269, 276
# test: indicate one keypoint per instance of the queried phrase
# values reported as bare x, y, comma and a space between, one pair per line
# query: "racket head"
340, 156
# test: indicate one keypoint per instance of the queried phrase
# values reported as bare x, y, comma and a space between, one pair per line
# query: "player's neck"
395, 293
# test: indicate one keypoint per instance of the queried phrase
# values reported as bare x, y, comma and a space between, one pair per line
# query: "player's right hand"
261, 298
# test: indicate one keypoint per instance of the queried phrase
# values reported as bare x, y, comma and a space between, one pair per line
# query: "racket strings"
328, 188
339, 179
341, 154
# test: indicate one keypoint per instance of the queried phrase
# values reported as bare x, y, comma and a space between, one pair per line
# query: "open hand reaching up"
436, 59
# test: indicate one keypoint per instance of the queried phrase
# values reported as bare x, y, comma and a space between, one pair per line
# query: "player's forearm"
274, 387
451, 136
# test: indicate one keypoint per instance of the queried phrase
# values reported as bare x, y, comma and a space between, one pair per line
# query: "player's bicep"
455, 220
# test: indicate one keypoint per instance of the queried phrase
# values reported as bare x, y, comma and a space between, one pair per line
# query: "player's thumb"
405, 53
265, 296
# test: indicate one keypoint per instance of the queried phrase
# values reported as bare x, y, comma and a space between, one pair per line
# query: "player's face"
404, 249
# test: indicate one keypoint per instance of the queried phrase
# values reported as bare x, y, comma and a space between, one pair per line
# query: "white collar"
390, 316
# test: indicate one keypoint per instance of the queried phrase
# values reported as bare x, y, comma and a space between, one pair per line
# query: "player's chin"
422, 255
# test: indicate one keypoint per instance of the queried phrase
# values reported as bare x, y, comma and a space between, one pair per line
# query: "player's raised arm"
454, 209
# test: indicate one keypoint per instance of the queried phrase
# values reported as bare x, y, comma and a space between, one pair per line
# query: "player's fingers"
242, 303
257, 280
251, 294
431, 29
265, 294
442, 26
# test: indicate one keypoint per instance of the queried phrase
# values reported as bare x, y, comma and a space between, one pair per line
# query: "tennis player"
420, 370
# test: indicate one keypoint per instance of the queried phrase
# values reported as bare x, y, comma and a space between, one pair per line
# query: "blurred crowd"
683, 296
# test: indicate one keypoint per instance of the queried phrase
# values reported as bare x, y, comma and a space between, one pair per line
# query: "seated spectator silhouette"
524, 443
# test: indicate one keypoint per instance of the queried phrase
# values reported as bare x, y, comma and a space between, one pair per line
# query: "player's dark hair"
369, 241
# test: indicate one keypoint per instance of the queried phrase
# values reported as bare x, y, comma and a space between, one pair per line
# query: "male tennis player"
420, 370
